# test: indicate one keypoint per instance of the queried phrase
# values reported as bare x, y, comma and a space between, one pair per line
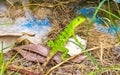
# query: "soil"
60, 14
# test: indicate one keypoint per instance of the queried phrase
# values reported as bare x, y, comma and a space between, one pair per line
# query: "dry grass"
60, 17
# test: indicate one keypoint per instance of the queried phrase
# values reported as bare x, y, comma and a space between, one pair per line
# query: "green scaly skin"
61, 40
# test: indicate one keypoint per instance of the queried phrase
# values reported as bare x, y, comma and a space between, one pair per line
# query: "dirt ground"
60, 15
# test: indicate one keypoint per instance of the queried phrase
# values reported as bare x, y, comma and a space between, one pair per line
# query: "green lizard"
62, 38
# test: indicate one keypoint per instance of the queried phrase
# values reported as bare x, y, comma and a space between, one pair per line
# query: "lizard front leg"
65, 53
75, 38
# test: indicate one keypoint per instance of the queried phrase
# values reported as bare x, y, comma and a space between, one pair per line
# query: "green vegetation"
111, 16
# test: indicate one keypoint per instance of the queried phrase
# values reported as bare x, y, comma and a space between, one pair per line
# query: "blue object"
35, 22
118, 1
44, 22
99, 22
1, 6
111, 30
88, 12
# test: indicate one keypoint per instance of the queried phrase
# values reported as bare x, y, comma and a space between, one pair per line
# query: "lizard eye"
78, 19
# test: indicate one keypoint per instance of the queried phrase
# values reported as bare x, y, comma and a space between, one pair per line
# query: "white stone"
74, 49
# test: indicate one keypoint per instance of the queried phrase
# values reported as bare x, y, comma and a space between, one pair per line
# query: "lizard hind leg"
65, 53
49, 57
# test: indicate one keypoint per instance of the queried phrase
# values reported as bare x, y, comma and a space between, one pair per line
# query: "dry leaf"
38, 53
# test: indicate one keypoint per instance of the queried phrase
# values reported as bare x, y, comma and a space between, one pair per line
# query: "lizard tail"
48, 59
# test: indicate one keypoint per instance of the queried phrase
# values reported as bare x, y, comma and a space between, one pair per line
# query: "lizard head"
78, 20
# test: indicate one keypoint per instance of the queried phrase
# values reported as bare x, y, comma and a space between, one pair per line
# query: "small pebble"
117, 48
27, 64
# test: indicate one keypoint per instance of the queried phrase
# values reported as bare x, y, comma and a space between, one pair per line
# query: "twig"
10, 3
49, 5
22, 70
101, 52
72, 58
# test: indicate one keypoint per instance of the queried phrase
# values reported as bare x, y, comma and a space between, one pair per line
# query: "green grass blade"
1, 55
2, 60
113, 15
88, 54
108, 12
97, 9
116, 67
3, 65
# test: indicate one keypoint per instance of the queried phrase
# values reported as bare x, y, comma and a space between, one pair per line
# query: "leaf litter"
31, 56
